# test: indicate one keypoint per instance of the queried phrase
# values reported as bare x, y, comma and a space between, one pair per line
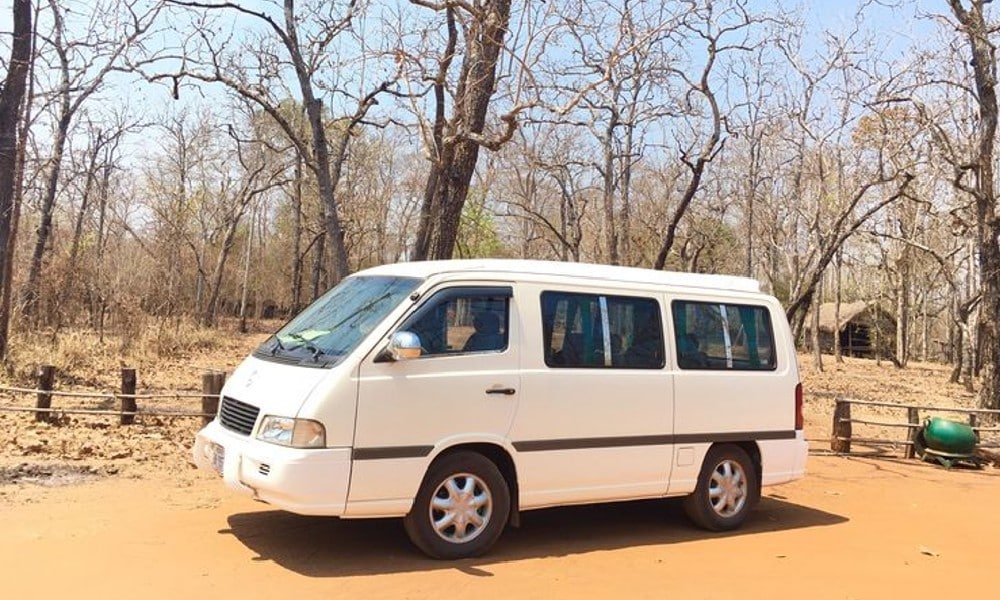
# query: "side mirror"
403, 345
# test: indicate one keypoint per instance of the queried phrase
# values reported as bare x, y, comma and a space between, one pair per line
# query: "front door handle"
504, 391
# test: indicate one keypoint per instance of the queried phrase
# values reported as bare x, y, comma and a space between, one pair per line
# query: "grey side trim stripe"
602, 442
583, 443
696, 438
649, 440
391, 452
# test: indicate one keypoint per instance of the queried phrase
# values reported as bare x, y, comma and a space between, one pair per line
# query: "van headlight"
294, 433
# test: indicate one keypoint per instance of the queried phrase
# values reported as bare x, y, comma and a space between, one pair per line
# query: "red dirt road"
854, 528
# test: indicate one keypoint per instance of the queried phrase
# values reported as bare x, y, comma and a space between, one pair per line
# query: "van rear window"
596, 331
719, 336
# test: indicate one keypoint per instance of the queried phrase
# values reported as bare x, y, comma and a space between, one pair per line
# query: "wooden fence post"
840, 441
128, 397
974, 423
211, 387
913, 416
46, 377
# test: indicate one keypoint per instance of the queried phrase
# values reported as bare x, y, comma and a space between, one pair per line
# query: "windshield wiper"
316, 351
277, 345
363, 308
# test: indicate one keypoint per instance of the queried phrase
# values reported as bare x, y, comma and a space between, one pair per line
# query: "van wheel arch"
753, 451
728, 485
500, 457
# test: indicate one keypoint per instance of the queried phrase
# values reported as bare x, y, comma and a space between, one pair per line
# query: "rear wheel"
727, 487
461, 508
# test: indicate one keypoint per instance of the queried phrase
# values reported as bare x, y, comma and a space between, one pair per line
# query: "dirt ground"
91, 509
855, 528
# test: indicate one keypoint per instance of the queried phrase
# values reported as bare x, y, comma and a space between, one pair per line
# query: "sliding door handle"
504, 391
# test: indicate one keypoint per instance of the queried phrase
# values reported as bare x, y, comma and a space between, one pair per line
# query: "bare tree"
549, 189
10, 104
844, 165
632, 69
454, 140
306, 44
83, 64
722, 32
257, 177
974, 26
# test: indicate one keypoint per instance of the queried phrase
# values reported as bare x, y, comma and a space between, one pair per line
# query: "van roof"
567, 269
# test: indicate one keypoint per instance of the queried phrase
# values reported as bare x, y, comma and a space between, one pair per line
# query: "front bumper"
308, 482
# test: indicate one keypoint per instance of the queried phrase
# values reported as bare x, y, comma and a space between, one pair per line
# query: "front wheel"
461, 508
726, 488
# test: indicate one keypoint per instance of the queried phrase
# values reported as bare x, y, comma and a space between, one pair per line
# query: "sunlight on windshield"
336, 323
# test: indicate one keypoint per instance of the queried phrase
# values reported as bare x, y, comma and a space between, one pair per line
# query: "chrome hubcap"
461, 508
727, 489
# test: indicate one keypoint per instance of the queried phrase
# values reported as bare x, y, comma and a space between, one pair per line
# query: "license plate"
218, 457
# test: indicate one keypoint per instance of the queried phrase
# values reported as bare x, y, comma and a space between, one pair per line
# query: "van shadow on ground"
329, 547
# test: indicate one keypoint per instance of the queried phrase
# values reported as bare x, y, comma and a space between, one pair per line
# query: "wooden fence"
211, 387
843, 424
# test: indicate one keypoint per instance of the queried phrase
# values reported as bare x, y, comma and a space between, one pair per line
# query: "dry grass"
918, 383
168, 354
924, 384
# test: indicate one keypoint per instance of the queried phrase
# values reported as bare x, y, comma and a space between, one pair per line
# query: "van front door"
463, 387
595, 419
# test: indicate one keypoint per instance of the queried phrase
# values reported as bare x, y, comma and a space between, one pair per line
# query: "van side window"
596, 331
459, 321
723, 336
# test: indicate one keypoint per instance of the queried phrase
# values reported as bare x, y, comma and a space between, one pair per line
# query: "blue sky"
895, 25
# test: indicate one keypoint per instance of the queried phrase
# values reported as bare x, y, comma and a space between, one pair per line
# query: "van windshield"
333, 325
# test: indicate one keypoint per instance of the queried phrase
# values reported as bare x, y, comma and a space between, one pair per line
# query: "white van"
456, 394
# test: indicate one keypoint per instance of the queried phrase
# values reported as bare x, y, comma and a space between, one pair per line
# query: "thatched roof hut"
859, 326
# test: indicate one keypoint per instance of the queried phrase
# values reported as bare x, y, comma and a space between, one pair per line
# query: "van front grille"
238, 416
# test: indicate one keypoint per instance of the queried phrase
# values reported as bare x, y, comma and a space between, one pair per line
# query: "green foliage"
477, 234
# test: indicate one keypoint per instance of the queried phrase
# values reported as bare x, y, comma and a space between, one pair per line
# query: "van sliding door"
595, 418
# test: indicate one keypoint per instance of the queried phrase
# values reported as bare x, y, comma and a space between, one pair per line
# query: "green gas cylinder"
949, 437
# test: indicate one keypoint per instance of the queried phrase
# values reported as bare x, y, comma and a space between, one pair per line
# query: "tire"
727, 488
461, 509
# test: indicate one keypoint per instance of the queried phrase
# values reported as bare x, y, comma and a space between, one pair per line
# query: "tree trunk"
878, 326
317, 267
211, 308
970, 359
297, 238
958, 343
608, 171
752, 183
99, 300
625, 185
817, 352
10, 104
321, 151
838, 355
88, 186
925, 332
31, 290
456, 153
988, 228
903, 313
952, 335
246, 277
66, 110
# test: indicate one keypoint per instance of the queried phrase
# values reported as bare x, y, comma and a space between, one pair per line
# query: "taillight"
798, 407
